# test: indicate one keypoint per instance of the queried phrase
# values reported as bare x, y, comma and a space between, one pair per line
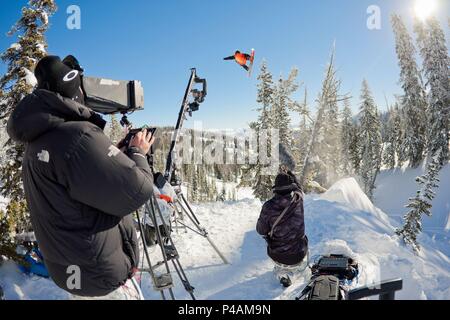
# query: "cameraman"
80, 189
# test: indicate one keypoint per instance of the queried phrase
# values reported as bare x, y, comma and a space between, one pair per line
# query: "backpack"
324, 287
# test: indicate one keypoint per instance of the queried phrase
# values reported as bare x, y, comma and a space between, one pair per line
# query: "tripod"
163, 282
183, 208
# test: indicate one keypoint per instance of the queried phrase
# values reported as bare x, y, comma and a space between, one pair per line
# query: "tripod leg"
179, 269
189, 208
152, 274
178, 216
167, 277
183, 278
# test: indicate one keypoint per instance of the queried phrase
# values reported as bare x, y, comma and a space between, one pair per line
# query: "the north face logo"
44, 156
113, 151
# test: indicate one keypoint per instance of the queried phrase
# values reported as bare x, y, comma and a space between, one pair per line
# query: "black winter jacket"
289, 244
80, 190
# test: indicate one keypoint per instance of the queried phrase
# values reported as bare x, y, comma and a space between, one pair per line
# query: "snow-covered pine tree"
370, 140
262, 185
421, 204
413, 100
223, 193
116, 132
194, 187
399, 124
355, 155
282, 102
3, 136
332, 155
434, 53
304, 131
213, 191
317, 156
18, 81
204, 183
346, 138
390, 140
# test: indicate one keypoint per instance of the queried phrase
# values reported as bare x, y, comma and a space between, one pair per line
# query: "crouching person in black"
80, 189
282, 224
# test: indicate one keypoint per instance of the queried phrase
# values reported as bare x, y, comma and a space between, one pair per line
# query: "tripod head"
197, 95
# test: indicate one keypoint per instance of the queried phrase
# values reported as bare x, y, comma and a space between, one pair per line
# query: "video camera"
108, 96
126, 141
113, 96
340, 266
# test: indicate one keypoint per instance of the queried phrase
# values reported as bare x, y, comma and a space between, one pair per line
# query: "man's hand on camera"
142, 140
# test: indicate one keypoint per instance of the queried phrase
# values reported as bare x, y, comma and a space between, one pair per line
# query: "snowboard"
252, 60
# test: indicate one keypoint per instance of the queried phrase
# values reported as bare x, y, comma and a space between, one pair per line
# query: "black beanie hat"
284, 184
53, 75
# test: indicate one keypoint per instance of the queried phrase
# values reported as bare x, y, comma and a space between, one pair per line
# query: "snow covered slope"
395, 187
348, 192
342, 221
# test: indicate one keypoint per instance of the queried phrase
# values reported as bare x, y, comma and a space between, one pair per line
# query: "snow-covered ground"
343, 220
395, 187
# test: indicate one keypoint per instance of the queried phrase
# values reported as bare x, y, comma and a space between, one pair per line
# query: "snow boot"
286, 282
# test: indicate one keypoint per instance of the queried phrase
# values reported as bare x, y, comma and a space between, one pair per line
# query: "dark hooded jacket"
80, 190
288, 244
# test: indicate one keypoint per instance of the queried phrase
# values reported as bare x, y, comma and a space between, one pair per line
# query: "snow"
395, 187
30, 78
41, 47
15, 46
348, 192
44, 18
342, 220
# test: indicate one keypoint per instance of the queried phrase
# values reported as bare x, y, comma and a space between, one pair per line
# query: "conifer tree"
346, 139
421, 204
370, 141
304, 134
389, 153
355, 155
319, 150
434, 53
262, 181
398, 124
15, 84
282, 103
413, 100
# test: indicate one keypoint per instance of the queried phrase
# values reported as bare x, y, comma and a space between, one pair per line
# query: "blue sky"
158, 41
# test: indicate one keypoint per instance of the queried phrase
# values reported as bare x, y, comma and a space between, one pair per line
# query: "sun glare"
425, 8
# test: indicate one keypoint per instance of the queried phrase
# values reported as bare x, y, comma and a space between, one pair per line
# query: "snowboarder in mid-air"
242, 59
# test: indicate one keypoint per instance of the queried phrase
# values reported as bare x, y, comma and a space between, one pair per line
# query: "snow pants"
129, 291
287, 271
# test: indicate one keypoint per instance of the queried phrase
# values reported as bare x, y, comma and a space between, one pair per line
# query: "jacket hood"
42, 111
